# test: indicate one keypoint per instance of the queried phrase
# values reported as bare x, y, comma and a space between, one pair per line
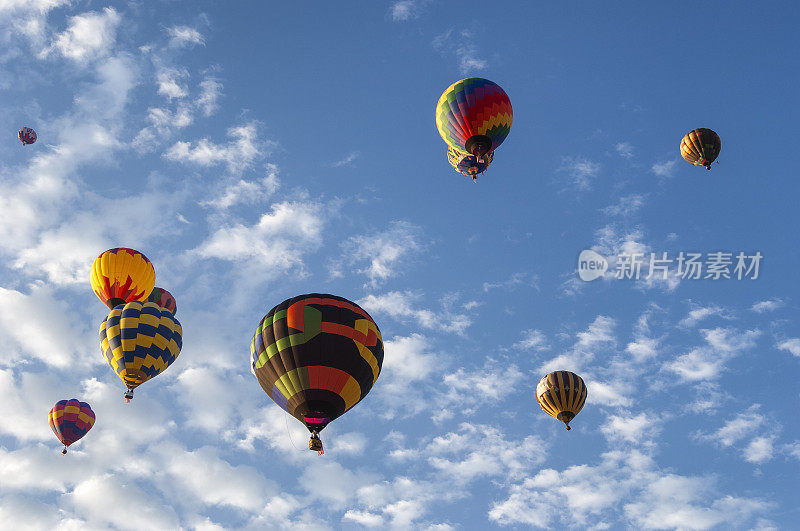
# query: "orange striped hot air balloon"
701, 147
561, 394
122, 275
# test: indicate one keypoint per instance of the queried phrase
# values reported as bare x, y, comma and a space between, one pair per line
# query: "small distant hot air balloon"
468, 165
139, 341
316, 356
27, 136
164, 299
701, 147
474, 116
561, 394
122, 275
70, 420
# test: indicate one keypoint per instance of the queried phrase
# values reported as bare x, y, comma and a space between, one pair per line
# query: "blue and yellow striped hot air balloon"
139, 341
316, 356
474, 116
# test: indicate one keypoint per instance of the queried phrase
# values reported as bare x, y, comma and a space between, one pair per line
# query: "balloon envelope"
561, 394
701, 147
139, 341
27, 136
122, 275
474, 116
316, 356
164, 299
70, 420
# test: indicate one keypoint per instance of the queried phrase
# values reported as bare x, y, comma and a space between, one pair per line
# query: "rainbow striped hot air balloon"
474, 116
70, 420
122, 275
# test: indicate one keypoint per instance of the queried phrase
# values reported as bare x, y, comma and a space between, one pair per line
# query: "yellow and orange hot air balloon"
561, 394
701, 147
122, 275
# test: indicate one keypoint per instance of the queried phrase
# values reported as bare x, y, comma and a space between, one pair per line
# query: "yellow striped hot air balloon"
561, 394
122, 275
701, 147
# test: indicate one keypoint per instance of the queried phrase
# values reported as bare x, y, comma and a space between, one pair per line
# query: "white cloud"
759, 450
707, 362
246, 192
213, 481
625, 150
461, 45
741, 426
626, 484
346, 161
238, 154
276, 243
169, 82
382, 253
626, 205
590, 342
365, 518
581, 172
182, 36
699, 313
483, 451
791, 345
638, 429
152, 511
533, 340
664, 169
89, 35
399, 305
39, 326
767, 306
404, 10
210, 92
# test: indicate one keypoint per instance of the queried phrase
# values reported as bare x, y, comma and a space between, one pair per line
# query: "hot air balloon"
474, 116
468, 165
139, 341
700, 147
70, 420
316, 356
122, 275
164, 299
27, 136
561, 394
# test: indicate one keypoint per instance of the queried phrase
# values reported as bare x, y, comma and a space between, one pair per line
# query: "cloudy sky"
255, 151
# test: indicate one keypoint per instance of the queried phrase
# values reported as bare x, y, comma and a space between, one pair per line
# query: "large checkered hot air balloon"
139, 341
122, 275
701, 147
316, 356
561, 394
474, 116
70, 420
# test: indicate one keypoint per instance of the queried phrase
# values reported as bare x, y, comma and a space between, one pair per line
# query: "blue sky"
258, 151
